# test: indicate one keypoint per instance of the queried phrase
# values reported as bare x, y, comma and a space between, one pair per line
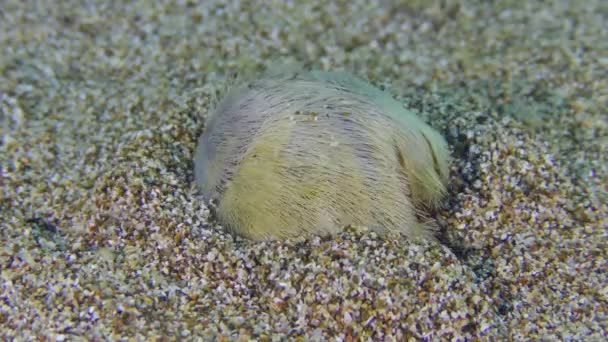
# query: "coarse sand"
105, 238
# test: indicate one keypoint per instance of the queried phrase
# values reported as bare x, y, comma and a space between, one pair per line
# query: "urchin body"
311, 152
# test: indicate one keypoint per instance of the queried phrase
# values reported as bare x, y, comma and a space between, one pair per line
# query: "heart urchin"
311, 152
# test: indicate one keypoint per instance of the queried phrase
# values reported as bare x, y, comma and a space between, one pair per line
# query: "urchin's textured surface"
98, 128
311, 152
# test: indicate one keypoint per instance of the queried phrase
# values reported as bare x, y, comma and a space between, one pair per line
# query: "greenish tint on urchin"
312, 151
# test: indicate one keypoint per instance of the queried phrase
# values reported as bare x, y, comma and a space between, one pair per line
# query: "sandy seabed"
105, 238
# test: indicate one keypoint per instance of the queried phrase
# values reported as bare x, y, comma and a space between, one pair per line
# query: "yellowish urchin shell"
311, 152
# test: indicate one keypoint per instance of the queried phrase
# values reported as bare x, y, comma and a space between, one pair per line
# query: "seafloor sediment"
104, 237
